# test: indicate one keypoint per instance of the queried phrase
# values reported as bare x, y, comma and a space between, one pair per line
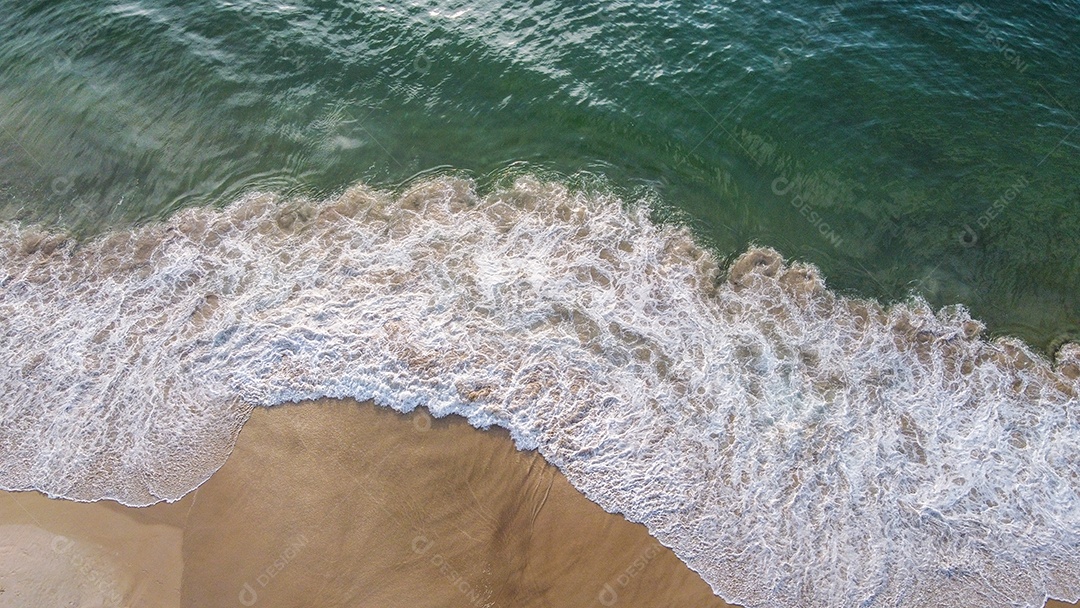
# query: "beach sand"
343, 504
337, 503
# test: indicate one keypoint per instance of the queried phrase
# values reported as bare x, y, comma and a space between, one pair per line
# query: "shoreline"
340, 503
347, 503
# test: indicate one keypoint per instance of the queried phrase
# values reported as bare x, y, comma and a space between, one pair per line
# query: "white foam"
794, 447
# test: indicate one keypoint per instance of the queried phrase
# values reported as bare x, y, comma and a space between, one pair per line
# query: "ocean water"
607, 228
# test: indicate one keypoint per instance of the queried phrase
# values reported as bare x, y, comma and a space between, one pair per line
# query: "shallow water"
878, 141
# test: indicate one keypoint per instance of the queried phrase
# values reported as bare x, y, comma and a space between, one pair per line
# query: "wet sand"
346, 504
343, 504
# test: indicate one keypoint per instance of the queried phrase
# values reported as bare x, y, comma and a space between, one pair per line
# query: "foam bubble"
792, 446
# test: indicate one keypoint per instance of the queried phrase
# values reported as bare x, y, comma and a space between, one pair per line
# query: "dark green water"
926, 148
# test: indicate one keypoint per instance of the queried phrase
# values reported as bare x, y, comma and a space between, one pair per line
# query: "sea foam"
794, 447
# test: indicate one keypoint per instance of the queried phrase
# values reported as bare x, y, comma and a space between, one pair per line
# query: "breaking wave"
793, 446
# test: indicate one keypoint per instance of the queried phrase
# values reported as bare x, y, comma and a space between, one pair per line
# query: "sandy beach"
345, 504
336, 503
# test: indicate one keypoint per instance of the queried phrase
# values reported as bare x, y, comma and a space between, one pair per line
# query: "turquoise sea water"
924, 148
588, 224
